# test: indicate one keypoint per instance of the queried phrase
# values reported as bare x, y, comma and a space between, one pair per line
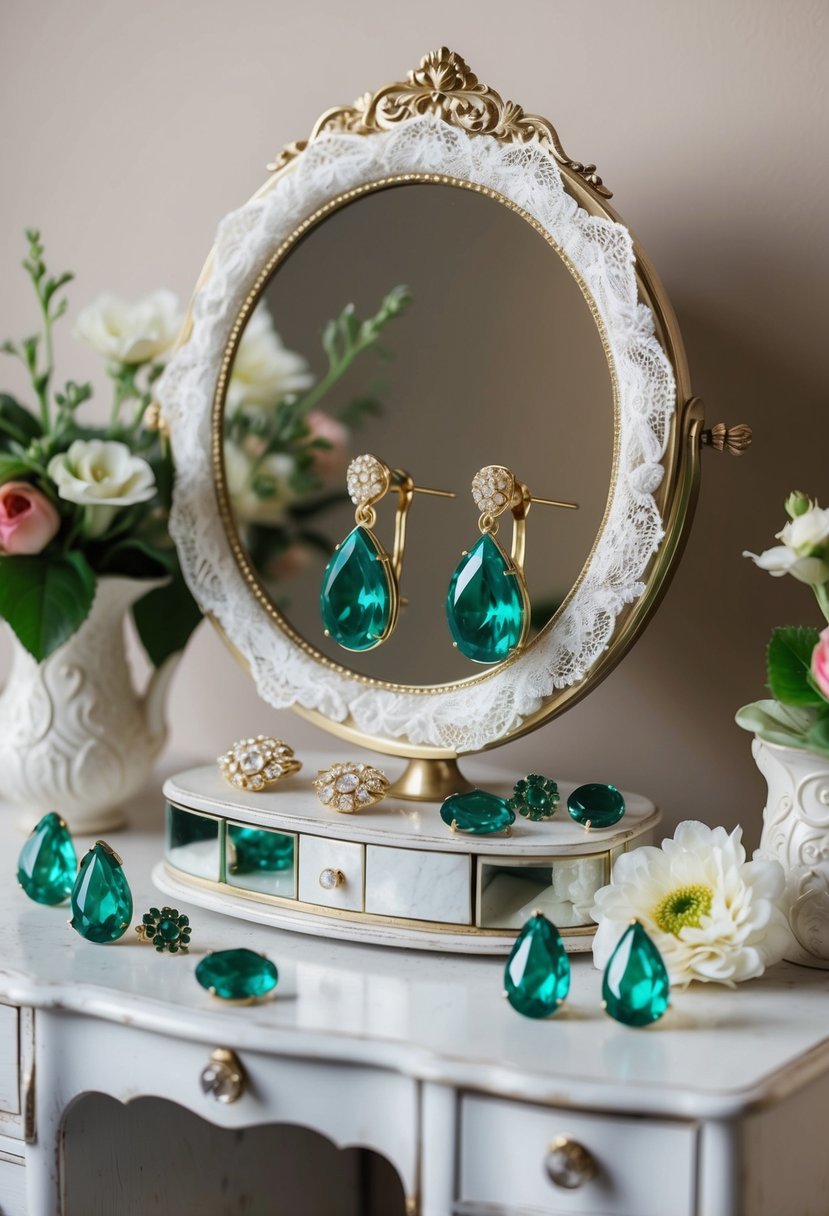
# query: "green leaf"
789, 665
787, 725
12, 466
45, 599
136, 558
17, 422
818, 735
166, 618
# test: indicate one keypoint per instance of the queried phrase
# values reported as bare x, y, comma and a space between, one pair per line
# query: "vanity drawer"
12, 1185
318, 855
419, 885
643, 1167
9, 1061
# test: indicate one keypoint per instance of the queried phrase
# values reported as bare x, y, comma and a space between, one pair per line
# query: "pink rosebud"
328, 462
28, 521
820, 663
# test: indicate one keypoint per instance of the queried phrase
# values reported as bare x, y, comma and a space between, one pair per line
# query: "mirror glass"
491, 355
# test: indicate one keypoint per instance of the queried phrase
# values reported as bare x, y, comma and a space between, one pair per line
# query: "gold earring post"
554, 502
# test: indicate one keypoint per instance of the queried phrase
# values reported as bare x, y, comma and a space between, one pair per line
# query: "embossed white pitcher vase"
75, 736
796, 833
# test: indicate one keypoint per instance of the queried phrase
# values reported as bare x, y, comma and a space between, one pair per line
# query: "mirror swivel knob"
569, 1164
722, 438
223, 1078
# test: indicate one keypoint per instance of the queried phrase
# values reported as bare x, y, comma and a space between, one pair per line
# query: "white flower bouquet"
797, 659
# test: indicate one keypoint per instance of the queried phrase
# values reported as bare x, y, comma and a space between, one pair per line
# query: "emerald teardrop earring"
488, 605
360, 594
101, 898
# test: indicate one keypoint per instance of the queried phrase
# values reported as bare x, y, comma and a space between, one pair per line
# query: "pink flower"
328, 462
820, 663
28, 521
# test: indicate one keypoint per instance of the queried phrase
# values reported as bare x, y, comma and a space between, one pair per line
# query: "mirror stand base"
430, 781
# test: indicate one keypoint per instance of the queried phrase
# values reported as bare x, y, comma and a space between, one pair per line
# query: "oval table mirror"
427, 322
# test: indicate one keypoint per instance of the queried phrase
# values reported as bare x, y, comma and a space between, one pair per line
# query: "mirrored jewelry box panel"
436, 455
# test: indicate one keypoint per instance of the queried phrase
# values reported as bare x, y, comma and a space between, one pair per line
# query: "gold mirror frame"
444, 87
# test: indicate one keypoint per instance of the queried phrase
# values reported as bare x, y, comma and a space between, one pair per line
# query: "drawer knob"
569, 1164
329, 879
223, 1079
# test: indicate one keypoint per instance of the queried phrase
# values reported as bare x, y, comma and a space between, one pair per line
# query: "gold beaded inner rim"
223, 499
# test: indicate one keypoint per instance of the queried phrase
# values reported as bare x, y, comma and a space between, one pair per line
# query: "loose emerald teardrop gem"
356, 599
48, 863
596, 805
477, 812
486, 604
537, 974
237, 975
101, 897
635, 986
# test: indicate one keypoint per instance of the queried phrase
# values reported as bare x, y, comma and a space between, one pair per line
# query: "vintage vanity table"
532, 335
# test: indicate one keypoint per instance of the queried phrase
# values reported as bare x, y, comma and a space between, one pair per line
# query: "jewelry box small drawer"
512, 1154
331, 873
419, 885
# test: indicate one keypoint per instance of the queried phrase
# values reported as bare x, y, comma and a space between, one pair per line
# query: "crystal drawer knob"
224, 1078
331, 879
569, 1164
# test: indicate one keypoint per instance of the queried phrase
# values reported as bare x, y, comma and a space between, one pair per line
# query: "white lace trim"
462, 719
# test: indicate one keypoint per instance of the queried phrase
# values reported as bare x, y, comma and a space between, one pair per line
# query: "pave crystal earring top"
488, 605
360, 596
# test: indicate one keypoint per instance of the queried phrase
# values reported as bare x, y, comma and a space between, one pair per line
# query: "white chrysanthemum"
125, 332
714, 916
264, 370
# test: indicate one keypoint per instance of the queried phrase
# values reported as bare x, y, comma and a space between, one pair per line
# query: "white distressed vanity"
716, 1111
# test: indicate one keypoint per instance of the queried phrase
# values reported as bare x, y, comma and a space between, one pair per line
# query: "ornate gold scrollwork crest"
444, 84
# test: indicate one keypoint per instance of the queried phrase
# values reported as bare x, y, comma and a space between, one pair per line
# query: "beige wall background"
128, 130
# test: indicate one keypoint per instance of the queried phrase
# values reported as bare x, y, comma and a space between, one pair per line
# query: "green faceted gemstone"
237, 975
101, 897
486, 604
356, 599
537, 974
635, 987
477, 812
47, 864
596, 805
252, 849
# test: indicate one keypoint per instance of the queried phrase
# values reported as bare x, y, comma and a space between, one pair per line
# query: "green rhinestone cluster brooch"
165, 929
535, 797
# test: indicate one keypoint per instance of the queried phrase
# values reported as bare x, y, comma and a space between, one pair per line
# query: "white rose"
130, 333
806, 532
103, 476
264, 370
782, 560
250, 507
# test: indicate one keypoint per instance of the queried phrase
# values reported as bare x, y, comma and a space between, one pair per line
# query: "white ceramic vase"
75, 736
796, 833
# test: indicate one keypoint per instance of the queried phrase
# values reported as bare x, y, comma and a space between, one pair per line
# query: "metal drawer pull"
569, 1164
329, 879
224, 1077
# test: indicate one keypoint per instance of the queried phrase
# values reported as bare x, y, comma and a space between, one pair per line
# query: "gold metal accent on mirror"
444, 85
722, 438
